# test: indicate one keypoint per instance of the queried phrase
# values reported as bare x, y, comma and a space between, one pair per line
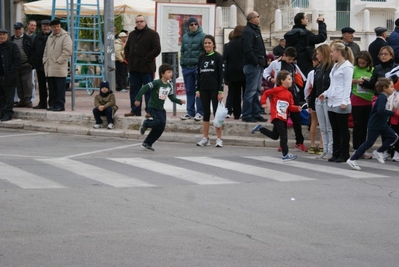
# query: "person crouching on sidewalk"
281, 101
105, 105
160, 90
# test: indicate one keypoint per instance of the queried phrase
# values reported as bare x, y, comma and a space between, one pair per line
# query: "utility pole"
109, 43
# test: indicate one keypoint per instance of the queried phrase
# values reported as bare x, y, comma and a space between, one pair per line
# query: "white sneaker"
97, 126
327, 156
185, 117
379, 156
395, 156
198, 117
353, 164
385, 155
204, 142
322, 155
219, 143
110, 126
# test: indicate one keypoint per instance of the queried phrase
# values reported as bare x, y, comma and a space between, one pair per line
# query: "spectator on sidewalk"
24, 81
31, 31
39, 44
377, 44
393, 41
347, 39
141, 49
55, 59
105, 105
278, 50
191, 48
10, 60
254, 62
120, 62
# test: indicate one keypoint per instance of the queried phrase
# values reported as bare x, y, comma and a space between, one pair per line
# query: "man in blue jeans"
254, 62
191, 48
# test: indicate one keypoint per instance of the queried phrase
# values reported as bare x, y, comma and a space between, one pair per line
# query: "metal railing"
300, 3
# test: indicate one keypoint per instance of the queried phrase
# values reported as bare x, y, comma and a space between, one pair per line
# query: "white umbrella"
135, 7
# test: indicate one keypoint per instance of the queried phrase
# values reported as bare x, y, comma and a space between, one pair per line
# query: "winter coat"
56, 54
39, 44
234, 60
108, 101
141, 49
253, 46
374, 49
11, 58
304, 41
119, 50
192, 47
393, 41
27, 45
379, 71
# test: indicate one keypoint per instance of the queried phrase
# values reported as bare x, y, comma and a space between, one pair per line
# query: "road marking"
95, 173
25, 179
176, 172
18, 135
99, 151
347, 171
248, 169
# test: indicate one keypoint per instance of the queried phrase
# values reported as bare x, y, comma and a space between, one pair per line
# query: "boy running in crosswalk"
281, 100
160, 90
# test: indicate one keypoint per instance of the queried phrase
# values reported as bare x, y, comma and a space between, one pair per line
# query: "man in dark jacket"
24, 81
39, 44
10, 60
304, 41
254, 62
393, 41
141, 49
347, 39
375, 46
278, 50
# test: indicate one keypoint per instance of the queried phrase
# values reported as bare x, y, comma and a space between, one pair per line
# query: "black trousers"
120, 75
157, 125
279, 131
6, 98
360, 116
57, 91
206, 98
236, 90
296, 120
42, 81
106, 112
341, 135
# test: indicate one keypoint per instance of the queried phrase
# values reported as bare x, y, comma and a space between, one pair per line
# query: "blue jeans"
324, 125
190, 76
251, 107
157, 125
137, 80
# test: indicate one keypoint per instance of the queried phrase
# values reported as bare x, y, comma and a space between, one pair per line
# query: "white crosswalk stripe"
96, 173
248, 169
177, 172
24, 179
323, 169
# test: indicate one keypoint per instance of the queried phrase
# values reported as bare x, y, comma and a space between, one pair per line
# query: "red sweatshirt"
281, 100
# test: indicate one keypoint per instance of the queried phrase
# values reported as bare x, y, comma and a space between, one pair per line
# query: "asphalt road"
88, 201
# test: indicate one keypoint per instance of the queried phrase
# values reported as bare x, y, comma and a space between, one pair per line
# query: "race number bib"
163, 93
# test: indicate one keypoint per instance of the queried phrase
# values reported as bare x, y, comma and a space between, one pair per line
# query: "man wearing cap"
142, 47
55, 60
278, 50
375, 46
347, 39
10, 60
120, 62
191, 47
393, 41
24, 82
39, 44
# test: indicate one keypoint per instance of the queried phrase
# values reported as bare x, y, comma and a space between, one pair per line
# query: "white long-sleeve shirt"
339, 91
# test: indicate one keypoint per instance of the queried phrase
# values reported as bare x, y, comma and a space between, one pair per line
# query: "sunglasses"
193, 24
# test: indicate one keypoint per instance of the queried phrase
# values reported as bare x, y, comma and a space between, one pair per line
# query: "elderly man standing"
254, 62
375, 46
55, 59
347, 39
141, 49
192, 47
24, 82
10, 60
39, 44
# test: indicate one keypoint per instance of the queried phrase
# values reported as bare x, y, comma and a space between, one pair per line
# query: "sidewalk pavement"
80, 121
